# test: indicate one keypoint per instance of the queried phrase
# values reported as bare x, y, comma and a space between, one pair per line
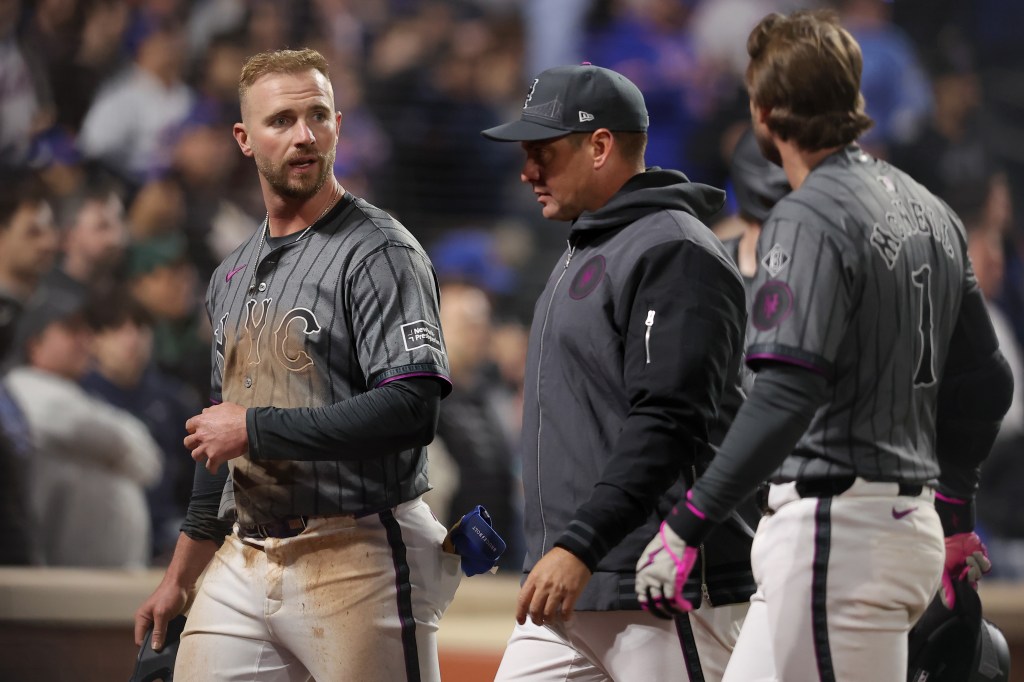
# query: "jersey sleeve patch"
775, 260
421, 333
773, 303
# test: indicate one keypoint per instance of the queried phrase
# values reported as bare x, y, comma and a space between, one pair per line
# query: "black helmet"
957, 645
759, 183
159, 665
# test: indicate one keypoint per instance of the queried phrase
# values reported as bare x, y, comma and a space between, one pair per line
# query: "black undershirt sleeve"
201, 520
767, 428
394, 417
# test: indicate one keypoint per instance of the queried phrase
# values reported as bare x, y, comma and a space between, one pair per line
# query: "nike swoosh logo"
901, 514
227, 278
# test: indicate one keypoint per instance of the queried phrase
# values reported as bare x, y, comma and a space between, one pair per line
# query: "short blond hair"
279, 61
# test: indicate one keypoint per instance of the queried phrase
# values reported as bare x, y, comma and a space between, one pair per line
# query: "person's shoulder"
234, 263
375, 229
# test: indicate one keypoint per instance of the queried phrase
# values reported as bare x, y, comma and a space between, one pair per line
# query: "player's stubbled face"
558, 172
293, 131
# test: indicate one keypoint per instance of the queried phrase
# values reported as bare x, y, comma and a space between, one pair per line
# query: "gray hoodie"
633, 340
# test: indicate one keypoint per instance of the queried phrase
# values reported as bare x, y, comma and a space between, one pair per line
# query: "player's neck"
287, 216
798, 163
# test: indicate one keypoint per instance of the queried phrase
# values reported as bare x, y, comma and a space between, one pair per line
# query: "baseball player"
637, 331
328, 371
880, 388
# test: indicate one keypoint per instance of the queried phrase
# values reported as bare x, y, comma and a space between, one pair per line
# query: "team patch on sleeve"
775, 260
773, 303
421, 333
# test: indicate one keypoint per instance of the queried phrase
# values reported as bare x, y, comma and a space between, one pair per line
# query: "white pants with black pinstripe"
623, 646
840, 581
347, 600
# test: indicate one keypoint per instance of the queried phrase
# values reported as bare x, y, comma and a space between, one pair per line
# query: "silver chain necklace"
335, 195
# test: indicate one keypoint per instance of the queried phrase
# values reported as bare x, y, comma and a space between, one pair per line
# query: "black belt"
830, 487
287, 528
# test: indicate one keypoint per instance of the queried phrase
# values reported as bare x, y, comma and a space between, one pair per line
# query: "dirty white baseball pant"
624, 646
840, 580
347, 600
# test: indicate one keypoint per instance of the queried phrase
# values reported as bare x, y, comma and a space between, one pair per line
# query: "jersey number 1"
925, 375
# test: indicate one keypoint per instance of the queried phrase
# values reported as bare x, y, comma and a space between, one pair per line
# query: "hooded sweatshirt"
637, 332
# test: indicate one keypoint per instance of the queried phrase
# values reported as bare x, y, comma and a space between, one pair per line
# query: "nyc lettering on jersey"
901, 224
285, 341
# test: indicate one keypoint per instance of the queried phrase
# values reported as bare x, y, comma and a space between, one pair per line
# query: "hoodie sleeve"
682, 337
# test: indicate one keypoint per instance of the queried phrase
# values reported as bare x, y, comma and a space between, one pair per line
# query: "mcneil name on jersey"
902, 223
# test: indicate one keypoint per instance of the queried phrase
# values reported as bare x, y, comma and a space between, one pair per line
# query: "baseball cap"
570, 99
759, 184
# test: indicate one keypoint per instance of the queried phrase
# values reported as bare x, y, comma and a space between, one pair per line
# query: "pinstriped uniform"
345, 306
861, 276
349, 305
869, 271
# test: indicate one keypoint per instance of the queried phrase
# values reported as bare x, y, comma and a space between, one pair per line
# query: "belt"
830, 487
287, 528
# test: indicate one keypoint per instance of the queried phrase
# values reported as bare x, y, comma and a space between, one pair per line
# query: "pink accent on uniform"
949, 500
586, 64
227, 277
413, 374
771, 304
689, 505
684, 564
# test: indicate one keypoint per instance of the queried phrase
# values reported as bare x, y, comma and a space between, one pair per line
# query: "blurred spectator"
428, 70
204, 160
554, 33
26, 107
27, 247
1002, 473
894, 85
94, 240
79, 43
470, 428
123, 376
648, 42
164, 282
91, 463
949, 154
129, 124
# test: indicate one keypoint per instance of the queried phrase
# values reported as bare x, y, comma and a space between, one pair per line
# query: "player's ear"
241, 136
337, 123
601, 143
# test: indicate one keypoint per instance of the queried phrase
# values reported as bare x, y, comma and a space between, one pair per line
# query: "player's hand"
966, 560
552, 588
166, 602
661, 572
217, 435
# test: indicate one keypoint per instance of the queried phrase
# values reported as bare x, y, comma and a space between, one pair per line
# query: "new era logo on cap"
569, 99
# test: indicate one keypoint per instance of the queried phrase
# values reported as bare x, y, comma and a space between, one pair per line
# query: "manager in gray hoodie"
637, 332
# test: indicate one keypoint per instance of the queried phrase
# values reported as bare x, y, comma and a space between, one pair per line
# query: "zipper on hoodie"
647, 334
540, 411
703, 561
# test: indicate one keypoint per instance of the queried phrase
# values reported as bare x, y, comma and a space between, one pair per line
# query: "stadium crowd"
121, 190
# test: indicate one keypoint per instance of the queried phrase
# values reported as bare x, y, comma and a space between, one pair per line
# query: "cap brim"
523, 131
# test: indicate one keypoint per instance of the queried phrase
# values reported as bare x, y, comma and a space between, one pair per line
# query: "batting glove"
661, 573
966, 560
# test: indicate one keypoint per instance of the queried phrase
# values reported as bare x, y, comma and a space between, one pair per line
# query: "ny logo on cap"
529, 95
584, 117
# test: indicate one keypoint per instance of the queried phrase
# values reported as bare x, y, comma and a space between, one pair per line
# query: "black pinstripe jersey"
348, 305
860, 278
